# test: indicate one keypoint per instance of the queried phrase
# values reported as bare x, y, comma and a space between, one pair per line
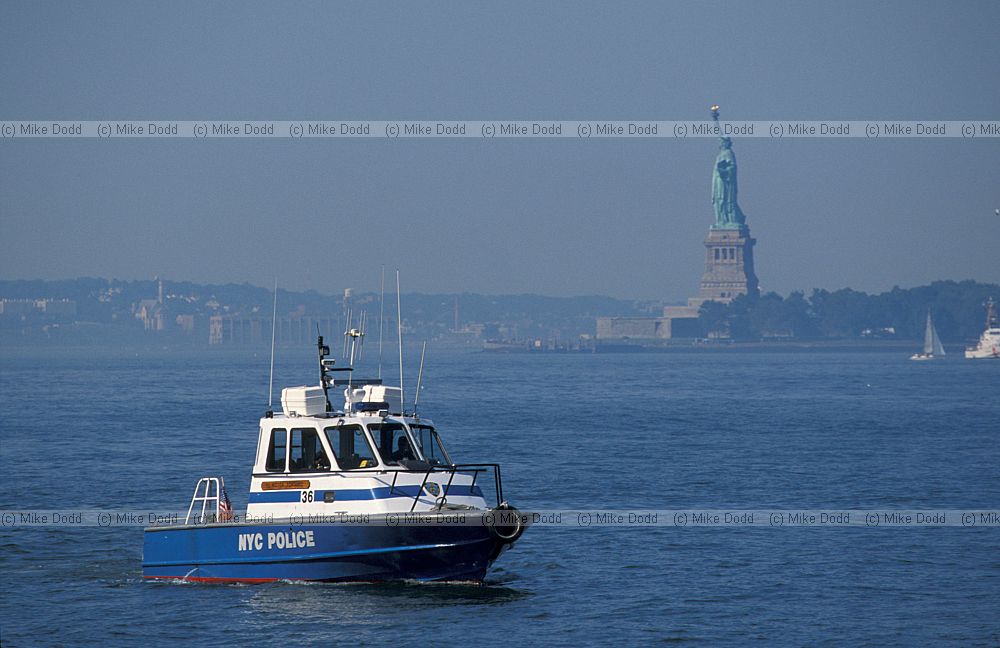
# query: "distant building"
150, 313
16, 307
633, 328
294, 329
64, 307
185, 323
24, 307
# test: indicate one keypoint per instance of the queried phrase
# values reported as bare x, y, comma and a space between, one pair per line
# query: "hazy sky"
561, 217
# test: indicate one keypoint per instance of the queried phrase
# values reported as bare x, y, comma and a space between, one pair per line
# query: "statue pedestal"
728, 266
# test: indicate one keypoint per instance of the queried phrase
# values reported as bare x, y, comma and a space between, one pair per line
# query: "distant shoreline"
799, 346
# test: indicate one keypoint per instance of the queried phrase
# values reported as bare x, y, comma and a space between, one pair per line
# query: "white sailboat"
932, 343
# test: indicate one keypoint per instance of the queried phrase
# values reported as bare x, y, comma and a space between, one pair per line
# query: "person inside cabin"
403, 450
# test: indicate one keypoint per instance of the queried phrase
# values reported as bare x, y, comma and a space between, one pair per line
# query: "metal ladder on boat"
203, 493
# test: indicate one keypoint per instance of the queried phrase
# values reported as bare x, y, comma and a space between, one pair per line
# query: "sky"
623, 218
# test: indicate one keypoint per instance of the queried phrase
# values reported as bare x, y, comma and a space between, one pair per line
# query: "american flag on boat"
225, 506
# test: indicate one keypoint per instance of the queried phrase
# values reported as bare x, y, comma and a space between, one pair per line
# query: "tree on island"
957, 308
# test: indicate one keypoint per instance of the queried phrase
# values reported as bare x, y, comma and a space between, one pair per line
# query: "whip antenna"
381, 318
361, 340
420, 377
347, 330
274, 325
399, 333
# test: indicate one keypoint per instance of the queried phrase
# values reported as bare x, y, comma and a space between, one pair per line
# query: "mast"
932, 343
356, 335
324, 364
928, 336
938, 348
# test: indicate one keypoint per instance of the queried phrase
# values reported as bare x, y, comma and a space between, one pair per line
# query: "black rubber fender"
505, 523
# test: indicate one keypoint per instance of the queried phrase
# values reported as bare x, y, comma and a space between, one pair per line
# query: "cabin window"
430, 445
350, 447
306, 452
276, 451
392, 441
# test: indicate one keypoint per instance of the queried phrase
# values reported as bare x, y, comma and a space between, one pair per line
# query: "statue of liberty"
728, 214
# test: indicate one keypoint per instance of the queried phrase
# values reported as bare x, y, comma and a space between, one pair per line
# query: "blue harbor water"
127, 429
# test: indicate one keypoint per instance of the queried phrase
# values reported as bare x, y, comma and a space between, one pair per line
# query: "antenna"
399, 333
420, 376
270, 377
324, 364
381, 318
347, 330
364, 333
356, 336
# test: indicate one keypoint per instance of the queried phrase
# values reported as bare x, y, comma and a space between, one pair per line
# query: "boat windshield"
392, 442
306, 454
350, 447
430, 445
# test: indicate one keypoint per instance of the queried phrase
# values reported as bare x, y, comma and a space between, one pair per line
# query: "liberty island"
729, 262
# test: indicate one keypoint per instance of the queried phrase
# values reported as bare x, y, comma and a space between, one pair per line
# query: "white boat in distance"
932, 343
989, 341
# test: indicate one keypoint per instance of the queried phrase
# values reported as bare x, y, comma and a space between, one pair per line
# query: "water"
120, 429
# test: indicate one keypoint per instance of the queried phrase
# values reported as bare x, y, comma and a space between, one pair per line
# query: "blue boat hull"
319, 552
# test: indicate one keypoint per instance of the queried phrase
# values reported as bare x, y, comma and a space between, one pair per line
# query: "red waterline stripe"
208, 579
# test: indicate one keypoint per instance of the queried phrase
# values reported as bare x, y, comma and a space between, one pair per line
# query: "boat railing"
207, 491
450, 469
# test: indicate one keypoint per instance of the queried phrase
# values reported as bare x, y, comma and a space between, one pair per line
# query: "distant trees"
957, 309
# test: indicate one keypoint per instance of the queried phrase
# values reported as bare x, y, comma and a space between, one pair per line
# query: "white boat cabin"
359, 460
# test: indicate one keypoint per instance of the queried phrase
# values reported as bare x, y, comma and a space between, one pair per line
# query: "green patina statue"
728, 214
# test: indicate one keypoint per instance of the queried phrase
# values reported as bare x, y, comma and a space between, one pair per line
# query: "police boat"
364, 493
